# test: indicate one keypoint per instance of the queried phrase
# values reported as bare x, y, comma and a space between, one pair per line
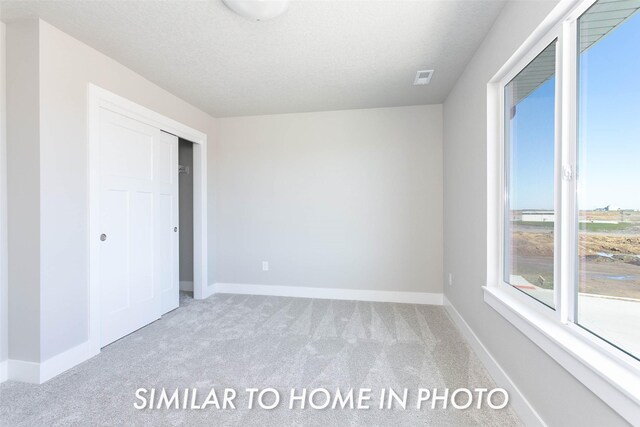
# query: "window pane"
608, 303
529, 176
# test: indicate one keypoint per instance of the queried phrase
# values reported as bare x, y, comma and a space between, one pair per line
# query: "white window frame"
609, 372
539, 46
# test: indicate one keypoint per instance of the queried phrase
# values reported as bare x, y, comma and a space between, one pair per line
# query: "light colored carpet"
239, 342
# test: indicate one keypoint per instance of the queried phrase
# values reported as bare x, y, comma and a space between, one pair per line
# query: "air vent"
423, 77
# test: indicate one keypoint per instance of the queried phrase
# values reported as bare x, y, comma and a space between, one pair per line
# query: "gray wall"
558, 397
185, 207
23, 178
4, 308
340, 199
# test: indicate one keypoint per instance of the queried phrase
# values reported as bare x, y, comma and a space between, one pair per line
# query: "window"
608, 300
564, 194
529, 144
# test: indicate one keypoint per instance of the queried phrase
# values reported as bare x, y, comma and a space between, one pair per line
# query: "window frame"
611, 373
540, 45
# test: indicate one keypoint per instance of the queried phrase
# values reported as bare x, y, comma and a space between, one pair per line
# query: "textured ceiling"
319, 55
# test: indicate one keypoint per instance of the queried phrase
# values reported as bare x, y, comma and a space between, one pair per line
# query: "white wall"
557, 396
58, 203
4, 308
341, 199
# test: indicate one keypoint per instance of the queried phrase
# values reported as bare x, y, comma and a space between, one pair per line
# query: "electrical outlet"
450, 279
265, 265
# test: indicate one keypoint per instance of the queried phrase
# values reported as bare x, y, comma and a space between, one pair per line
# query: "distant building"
538, 216
608, 208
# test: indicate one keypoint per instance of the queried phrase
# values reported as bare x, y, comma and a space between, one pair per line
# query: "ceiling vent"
423, 77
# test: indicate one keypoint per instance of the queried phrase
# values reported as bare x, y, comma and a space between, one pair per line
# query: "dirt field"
530, 243
622, 216
609, 256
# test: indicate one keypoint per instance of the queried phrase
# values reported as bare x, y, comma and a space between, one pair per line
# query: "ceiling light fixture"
258, 10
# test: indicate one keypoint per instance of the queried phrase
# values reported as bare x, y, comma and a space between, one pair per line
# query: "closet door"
135, 212
167, 255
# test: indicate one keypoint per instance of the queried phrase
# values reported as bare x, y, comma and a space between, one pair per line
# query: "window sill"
611, 379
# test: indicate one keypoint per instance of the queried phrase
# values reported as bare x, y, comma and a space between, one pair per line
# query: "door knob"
103, 237
175, 229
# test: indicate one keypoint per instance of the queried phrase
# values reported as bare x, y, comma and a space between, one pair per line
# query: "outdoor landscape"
609, 252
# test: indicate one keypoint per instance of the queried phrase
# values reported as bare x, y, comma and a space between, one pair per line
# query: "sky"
609, 129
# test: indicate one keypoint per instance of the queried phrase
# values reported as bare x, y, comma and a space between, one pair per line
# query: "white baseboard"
38, 373
329, 293
186, 285
65, 361
527, 413
207, 292
3, 371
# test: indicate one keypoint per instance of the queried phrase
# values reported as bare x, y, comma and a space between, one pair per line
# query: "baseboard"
3, 371
527, 413
208, 291
65, 361
38, 373
186, 285
329, 293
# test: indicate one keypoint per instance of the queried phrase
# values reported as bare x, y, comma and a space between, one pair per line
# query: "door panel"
166, 160
129, 153
164, 248
137, 223
167, 254
141, 265
115, 280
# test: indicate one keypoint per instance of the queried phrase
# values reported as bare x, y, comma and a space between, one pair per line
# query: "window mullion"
558, 175
567, 171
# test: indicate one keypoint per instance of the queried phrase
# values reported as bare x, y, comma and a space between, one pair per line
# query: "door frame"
100, 98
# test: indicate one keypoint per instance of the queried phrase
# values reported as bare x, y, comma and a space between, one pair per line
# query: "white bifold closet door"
138, 217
